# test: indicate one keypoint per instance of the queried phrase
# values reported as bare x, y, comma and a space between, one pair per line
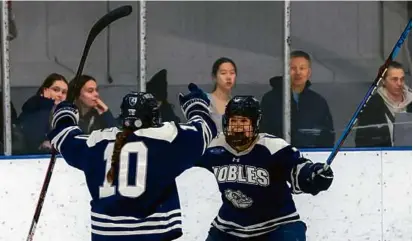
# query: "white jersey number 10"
131, 191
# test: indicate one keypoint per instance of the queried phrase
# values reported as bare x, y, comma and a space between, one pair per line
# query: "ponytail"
119, 143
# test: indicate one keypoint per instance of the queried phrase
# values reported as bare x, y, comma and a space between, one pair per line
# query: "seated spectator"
94, 113
224, 73
158, 87
376, 122
311, 121
34, 118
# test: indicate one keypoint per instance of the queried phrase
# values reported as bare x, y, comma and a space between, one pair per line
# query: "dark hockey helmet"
140, 110
240, 135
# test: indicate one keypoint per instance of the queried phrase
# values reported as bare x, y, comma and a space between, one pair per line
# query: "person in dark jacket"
18, 143
34, 118
311, 120
376, 122
158, 87
94, 113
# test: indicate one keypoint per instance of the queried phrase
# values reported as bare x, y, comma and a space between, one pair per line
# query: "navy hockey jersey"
142, 204
256, 185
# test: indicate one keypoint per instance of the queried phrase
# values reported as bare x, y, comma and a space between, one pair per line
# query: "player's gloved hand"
195, 102
320, 179
65, 114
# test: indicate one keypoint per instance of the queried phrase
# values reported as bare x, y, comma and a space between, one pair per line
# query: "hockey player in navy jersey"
130, 173
257, 174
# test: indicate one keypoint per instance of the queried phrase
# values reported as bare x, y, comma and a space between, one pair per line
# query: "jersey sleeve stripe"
143, 224
58, 140
295, 172
250, 235
123, 218
205, 123
176, 226
255, 229
205, 128
125, 225
82, 137
257, 225
192, 104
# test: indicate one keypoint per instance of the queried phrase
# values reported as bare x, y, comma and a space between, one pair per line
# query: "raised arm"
66, 137
200, 128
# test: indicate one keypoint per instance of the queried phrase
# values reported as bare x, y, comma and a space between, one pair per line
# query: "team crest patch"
238, 199
133, 100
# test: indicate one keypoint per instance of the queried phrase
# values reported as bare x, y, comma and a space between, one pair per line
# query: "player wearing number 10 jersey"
131, 172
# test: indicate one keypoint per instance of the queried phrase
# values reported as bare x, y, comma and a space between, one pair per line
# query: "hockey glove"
65, 114
320, 179
194, 103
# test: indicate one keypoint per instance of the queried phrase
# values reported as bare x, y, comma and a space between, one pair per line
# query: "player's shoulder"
98, 136
272, 143
217, 145
167, 132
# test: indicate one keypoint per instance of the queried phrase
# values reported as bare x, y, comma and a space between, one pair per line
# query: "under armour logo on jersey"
235, 159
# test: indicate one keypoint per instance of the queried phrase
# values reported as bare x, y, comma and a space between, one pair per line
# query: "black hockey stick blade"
97, 28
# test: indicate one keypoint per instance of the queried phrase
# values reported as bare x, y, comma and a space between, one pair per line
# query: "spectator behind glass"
376, 122
158, 87
311, 121
18, 143
94, 114
224, 73
34, 118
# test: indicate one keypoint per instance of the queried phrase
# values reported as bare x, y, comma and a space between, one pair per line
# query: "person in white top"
224, 73
377, 121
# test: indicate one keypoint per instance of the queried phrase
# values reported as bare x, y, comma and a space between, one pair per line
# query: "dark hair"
300, 54
394, 65
218, 63
49, 81
74, 91
119, 143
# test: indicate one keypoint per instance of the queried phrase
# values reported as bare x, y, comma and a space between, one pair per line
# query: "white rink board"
350, 210
397, 196
370, 199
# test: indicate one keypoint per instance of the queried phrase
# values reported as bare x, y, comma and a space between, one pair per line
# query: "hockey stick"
94, 32
369, 94
109, 77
